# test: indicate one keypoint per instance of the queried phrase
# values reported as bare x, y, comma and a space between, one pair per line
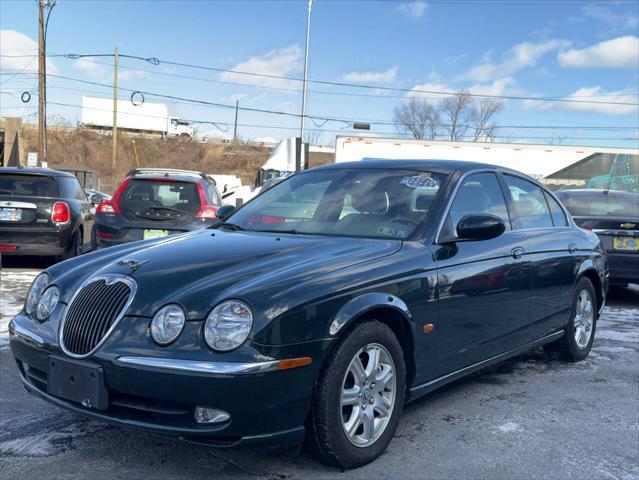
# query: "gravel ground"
526, 418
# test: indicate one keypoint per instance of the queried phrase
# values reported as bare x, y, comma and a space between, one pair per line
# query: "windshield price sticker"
420, 181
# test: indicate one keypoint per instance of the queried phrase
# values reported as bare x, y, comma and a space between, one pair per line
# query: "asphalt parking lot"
526, 418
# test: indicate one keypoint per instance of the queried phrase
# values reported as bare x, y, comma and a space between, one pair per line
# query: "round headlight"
47, 303
167, 324
228, 325
36, 289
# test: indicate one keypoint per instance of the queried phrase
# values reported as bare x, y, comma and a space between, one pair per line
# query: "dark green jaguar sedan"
318, 309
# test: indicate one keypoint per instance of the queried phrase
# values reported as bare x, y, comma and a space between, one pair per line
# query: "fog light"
210, 415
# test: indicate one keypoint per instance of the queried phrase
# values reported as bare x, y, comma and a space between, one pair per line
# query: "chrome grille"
93, 312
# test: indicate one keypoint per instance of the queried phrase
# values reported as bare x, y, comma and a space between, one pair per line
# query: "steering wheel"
404, 220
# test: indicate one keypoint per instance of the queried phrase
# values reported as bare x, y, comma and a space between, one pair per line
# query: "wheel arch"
592, 275
385, 308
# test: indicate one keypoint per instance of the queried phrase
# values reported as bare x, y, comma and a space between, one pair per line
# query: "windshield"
601, 203
379, 203
27, 185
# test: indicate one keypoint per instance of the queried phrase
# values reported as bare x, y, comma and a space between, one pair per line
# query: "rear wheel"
579, 334
360, 397
75, 247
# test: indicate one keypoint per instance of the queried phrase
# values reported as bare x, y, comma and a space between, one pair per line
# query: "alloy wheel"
368, 395
584, 319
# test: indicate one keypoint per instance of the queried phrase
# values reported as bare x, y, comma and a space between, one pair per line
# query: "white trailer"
538, 161
146, 117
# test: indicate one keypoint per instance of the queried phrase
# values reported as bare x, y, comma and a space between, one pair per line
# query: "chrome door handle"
517, 252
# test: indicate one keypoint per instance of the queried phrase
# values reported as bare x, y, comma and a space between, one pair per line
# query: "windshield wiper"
170, 209
290, 231
228, 225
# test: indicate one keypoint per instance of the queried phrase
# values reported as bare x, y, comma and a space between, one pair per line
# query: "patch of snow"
509, 427
14, 284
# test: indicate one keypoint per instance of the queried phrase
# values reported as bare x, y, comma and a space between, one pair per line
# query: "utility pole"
115, 112
237, 107
308, 36
42, 87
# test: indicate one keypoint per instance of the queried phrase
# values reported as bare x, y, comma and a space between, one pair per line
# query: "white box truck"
146, 117
538, 161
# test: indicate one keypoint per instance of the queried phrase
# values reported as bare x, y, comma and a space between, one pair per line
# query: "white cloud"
14, 46
522, 55
386, 77
90, 68
277, 62
621, 52
412, 10
616, 21
501, 86
593, 94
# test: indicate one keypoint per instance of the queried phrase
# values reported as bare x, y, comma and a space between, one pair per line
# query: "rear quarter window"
25, 185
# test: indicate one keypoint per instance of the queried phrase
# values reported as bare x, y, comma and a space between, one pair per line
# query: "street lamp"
308, 35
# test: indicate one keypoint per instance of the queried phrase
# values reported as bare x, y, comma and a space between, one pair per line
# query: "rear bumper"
35, 241
624, 267
114, 230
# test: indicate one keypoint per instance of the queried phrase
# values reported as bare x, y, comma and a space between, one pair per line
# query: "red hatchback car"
152, 203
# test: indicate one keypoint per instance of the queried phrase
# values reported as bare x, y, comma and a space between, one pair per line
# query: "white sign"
45, 164
32, 159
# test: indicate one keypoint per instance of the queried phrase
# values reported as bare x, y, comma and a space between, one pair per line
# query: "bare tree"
313, 137
453, 118
418, 118
457, 114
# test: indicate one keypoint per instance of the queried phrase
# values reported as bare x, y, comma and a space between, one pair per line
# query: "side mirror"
225, 211
480, 226
96, 199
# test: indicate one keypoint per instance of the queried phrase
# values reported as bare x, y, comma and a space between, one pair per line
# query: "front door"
482, 285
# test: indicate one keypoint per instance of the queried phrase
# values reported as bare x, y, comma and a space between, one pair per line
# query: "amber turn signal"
429, 327
294, 363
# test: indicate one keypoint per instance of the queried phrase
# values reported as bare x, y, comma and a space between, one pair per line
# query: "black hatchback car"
614, 217
43, 212
154, 203
343, 293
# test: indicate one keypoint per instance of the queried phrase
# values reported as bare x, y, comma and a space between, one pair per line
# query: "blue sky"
562, 49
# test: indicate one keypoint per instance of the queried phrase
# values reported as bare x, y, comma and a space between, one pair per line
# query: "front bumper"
160, 394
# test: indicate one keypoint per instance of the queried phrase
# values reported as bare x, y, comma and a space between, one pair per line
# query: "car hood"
201, 269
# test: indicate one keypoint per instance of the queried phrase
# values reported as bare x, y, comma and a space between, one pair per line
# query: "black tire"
327, 439
75, 247
94, 240
567, 348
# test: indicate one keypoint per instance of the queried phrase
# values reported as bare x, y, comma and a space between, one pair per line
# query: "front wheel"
579, 334
360, 397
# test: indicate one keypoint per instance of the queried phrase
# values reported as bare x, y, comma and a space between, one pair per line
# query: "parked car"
614, 217
96, 197
154, 202
43, 212
268, 327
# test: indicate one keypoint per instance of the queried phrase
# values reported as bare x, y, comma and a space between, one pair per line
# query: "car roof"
168, 176
36, 171
444, 166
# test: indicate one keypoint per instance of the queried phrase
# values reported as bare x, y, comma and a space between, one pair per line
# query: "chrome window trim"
194, 366
460, 182
14, 204
110, 278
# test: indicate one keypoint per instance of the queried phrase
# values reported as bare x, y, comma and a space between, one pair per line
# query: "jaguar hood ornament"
134, 265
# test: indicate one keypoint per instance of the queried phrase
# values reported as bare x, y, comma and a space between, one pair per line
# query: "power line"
227, 125
156, 61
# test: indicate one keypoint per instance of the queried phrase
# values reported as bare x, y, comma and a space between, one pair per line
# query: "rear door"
25, 203
158, 207
483, 286
553, 255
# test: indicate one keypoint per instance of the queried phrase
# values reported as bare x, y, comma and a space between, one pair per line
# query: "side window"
530, 204
480, 193
558, 215
71, 188
214, 198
